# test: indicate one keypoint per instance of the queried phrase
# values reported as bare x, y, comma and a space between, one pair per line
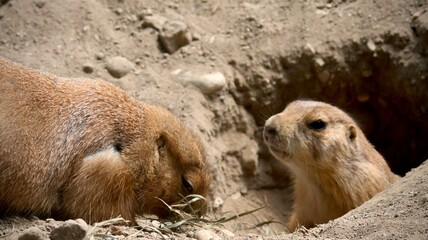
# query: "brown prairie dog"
83, 148
335, 168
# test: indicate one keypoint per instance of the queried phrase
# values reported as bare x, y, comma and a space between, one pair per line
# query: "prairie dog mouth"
277, 151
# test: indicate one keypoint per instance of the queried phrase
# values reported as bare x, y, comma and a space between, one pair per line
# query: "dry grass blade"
185, 202
153, 229
193, 219
224, 220
113, 221
91, 233
268, 222
103, 236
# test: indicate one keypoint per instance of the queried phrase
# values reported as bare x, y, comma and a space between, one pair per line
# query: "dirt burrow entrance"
381, 82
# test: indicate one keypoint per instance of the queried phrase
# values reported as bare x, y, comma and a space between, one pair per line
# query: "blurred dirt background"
224, 67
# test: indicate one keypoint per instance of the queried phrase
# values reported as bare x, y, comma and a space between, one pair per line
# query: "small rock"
155, 21
324, 76
218, 202
244, 191
70, 230
32, 233
236, 196
204, 234
196, 36
190, 234
40, 4
320, 62
82, 223
371, 45
249, 161
424, 199
310, 48
208, 83
86, 28
156, 224
88, 68
99, 56
174, 35
118, 11
321, 12
119, 66
146, 12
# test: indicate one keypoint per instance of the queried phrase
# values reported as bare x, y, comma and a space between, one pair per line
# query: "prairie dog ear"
160, 142
352, 132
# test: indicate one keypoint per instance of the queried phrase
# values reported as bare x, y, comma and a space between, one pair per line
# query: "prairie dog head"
310, 133
168, 163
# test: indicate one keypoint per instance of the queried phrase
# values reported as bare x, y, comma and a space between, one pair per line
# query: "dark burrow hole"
383, 91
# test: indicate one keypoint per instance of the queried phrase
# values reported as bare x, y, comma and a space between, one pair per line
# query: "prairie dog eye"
161, 143
317, 125
187, 185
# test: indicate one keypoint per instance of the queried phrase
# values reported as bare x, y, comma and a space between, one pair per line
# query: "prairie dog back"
87, 144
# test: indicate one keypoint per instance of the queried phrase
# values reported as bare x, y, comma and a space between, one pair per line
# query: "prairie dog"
335, 168
83, 148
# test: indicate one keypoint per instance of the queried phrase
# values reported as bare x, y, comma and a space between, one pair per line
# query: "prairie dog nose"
271, 129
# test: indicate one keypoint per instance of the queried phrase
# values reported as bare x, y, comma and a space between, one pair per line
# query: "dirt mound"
369, 58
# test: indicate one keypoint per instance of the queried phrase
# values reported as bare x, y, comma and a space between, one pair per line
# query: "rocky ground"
224, 67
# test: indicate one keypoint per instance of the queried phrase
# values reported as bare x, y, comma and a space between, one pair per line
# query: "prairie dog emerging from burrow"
83, 148
335, 168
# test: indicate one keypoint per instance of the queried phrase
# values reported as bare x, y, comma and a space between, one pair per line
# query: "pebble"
82, 223
99, 56
32, 233
40, 4
174, 35
156, 224
424, 199
320, 62
196, 36
244, 191
324, 76
190, 234
86, 28
218, 202
155, 21
70, 230
88, 68
118, 11
371, 45
204, 234
207, 83
236, 196
119, 66
321, 12
249, 161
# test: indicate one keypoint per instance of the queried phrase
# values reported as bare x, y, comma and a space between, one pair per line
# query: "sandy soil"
367, 57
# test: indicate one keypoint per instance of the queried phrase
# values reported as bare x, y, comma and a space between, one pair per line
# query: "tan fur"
336, 169
83, 148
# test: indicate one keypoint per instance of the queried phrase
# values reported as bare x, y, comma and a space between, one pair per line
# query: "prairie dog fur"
83, 148
335, 168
